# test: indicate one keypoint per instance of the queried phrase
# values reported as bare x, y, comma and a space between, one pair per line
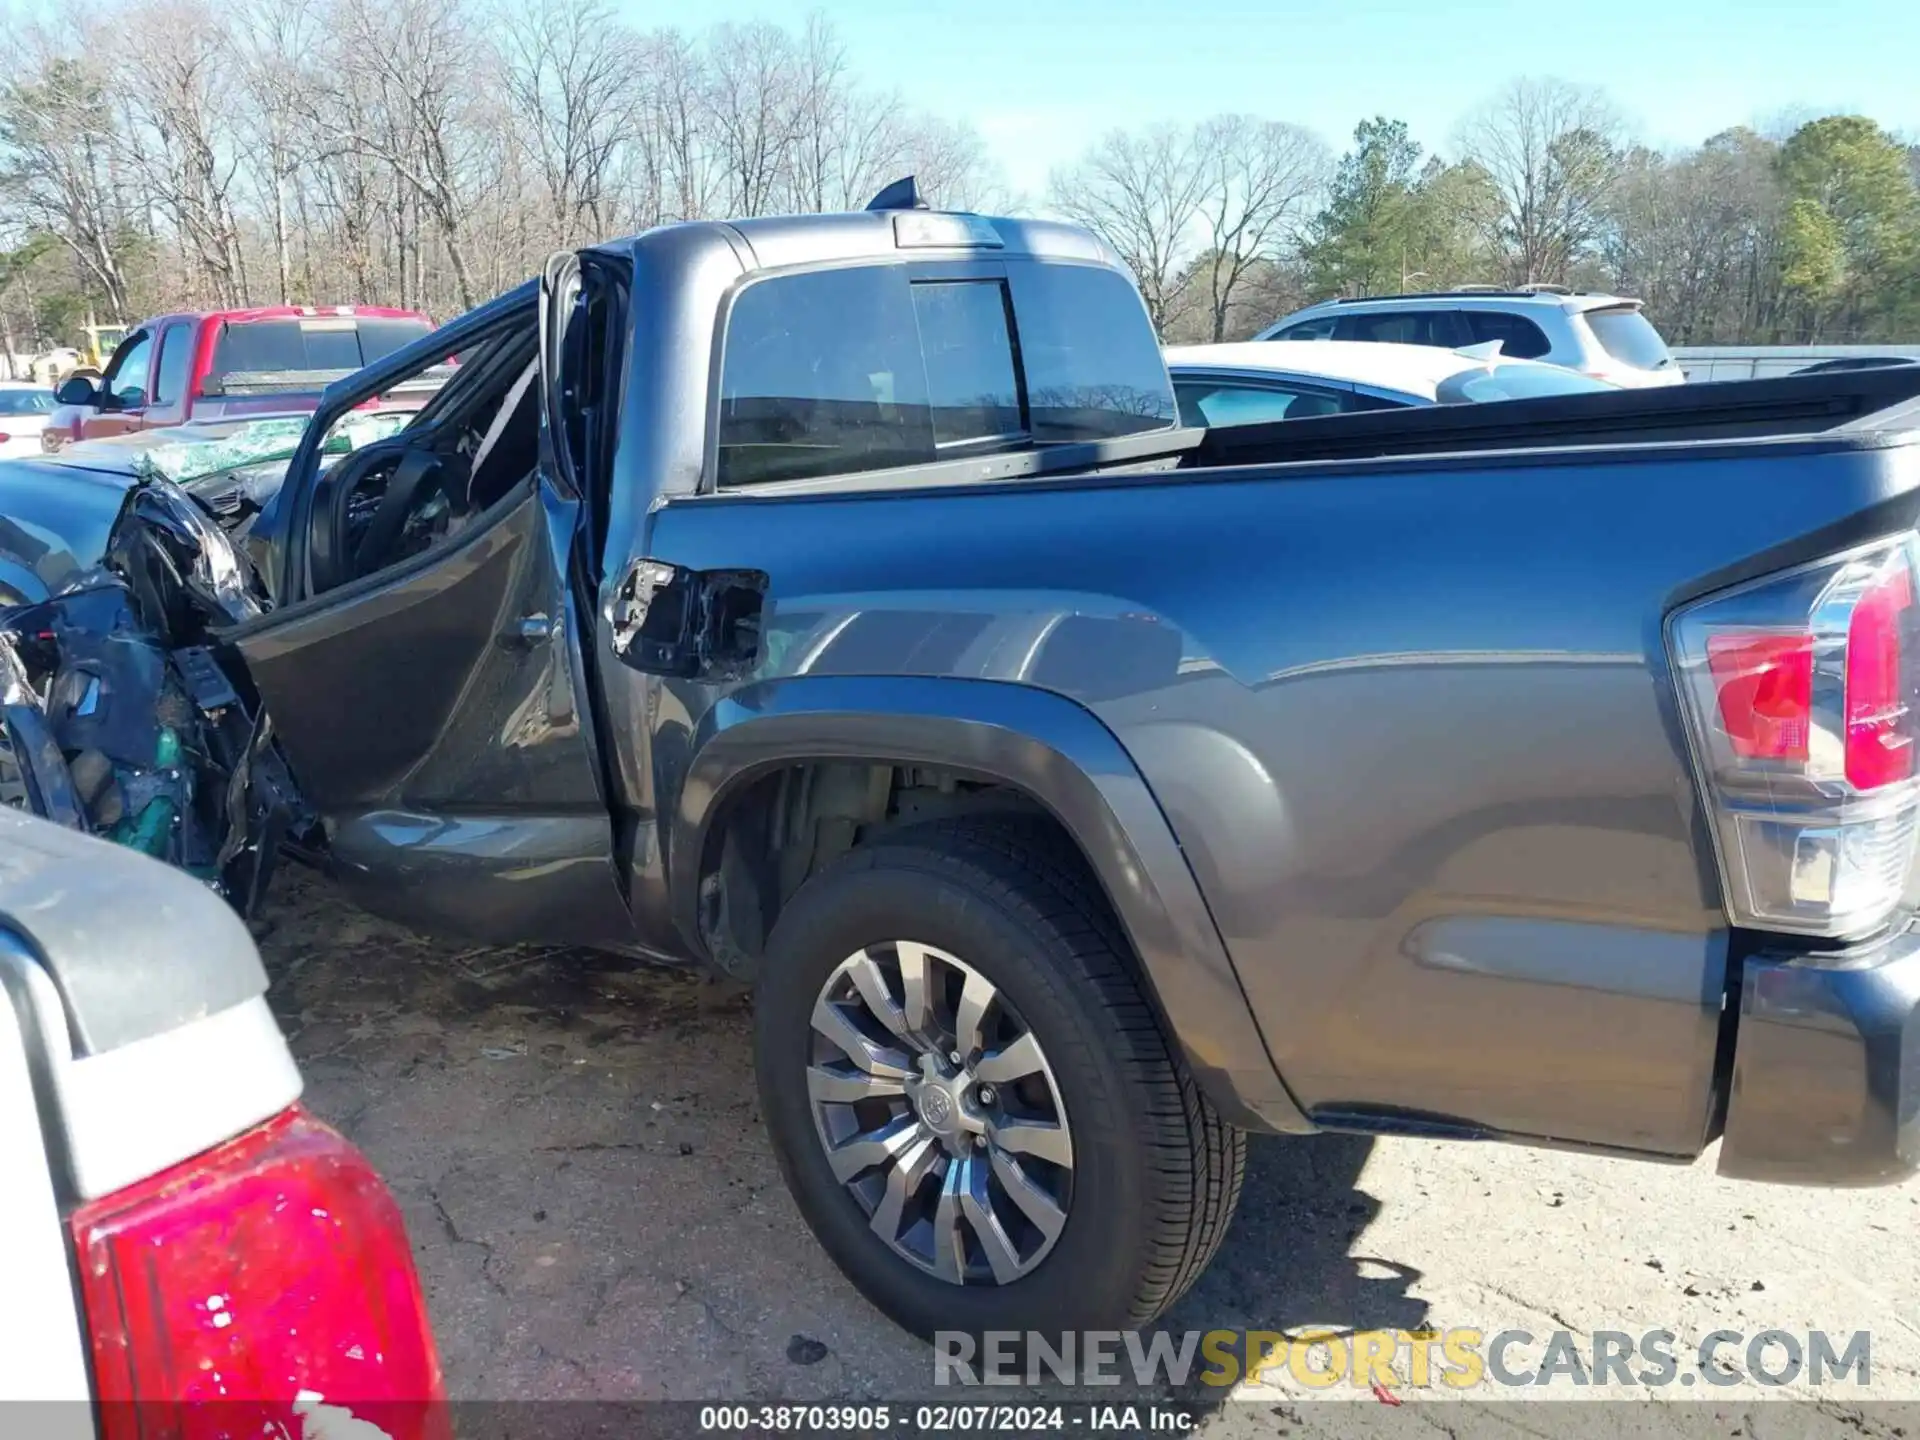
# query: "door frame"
169, 334
303, 470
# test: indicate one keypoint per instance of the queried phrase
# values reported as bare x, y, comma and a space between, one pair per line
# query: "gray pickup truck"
839, 602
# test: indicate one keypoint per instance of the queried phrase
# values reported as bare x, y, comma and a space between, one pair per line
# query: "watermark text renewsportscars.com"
1411, 1360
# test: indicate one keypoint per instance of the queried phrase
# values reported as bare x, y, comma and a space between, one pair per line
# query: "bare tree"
400, 151
1262, 180
343, 195
426, 66
948, 161
1552, 152
1198, 212
1144, 193
177, 82
57, 161
677, 117
572, 74
753, 90
268, 36
829, 130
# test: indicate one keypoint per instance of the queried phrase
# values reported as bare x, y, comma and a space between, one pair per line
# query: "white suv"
1605, 336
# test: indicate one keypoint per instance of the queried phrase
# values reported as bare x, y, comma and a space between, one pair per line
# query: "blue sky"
1041, 78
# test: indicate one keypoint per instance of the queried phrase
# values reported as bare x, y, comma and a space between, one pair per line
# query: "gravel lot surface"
597, 1214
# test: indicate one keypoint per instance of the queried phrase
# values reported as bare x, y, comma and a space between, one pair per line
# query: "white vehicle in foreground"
1605, 336
24, 409
1262, 380
187, 1252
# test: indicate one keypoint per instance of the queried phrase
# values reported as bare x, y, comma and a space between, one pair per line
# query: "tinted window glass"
1400, 327
1519, 337
1214, 404
380, 335
822, 375
1093, 366
1629, 337
278, 347
176, 364
969, 358
126, 377
1318, 329
26, 402
1516, 382
267, 347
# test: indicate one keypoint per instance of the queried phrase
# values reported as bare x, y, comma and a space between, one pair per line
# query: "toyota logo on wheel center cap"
936, 1107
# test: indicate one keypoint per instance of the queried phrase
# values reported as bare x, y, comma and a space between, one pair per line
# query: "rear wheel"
970, 1097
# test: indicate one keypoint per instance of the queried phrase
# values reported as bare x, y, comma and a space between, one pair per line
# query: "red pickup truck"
220, 364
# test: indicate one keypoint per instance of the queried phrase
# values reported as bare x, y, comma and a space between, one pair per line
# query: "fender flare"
1062, 756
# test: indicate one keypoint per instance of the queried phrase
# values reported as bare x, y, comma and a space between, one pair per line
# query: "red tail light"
1879, 742
1765, 685
1800, 694
268, 1274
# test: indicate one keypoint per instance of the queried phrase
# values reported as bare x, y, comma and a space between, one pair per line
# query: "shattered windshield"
184, 455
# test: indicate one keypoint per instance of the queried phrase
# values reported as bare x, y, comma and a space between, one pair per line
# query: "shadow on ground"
1296, 1262
577, 1146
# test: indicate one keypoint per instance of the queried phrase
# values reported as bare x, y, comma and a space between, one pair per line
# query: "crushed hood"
118, 715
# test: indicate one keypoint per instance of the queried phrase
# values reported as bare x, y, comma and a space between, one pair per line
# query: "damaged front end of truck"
377, 602
125, 717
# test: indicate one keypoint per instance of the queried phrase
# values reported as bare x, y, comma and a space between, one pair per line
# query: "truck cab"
215, 365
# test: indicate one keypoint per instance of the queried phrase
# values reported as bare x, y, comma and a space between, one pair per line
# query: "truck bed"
1834, 410
1408, 708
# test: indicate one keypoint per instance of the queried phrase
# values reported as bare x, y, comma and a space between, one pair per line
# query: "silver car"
1257, 381
1605, 336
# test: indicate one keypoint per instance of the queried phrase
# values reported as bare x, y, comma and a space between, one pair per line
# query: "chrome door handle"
529, 631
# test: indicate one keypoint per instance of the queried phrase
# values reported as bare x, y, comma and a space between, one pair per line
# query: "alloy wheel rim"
939, 1113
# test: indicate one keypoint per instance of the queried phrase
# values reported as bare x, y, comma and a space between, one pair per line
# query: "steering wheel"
415, 479
413, 474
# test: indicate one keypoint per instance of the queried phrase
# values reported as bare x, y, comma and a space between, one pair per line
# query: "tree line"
1811, 234
157, 154
424, 153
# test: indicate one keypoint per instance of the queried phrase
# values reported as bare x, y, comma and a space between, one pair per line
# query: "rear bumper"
1826, 1069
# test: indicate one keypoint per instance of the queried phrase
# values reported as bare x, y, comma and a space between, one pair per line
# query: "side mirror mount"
77, 390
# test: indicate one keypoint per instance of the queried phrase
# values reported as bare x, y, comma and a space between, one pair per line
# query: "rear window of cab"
834, 372
1629, 337
300, 346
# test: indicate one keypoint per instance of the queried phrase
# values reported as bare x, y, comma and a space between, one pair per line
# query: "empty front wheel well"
782, 827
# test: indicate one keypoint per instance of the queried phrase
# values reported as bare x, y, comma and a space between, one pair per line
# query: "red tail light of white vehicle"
238, 1292
1800, 696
